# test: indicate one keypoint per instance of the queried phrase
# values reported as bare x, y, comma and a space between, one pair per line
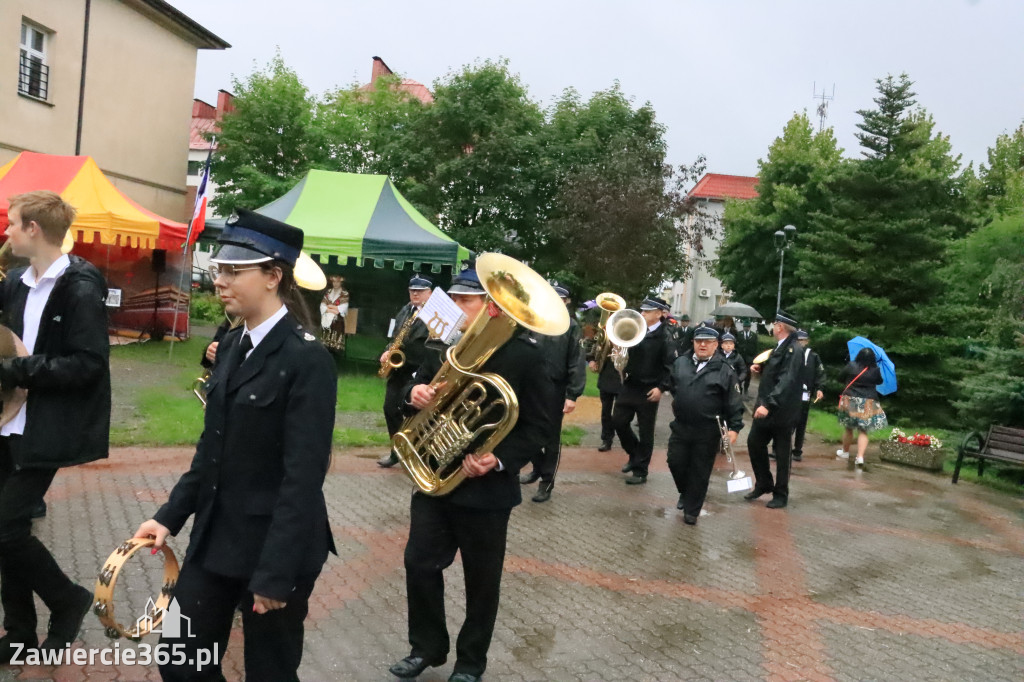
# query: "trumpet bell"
626, 328
522, 294
610, 302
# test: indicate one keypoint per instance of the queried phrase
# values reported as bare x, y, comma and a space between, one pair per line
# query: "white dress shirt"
38, 295
263, 328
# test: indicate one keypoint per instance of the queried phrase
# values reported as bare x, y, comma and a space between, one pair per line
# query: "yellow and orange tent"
105, 215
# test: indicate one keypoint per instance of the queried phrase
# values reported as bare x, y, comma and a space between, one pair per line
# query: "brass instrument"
395, 357
608, 303
199, 385
738, 481
473, 412
626, 328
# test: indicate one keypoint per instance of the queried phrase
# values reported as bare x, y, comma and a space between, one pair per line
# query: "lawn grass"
354, 438
167, 414
1006, 479
360, 392
572, 436
825, 424
591, 388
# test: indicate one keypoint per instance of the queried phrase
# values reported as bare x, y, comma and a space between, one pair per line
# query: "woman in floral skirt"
859, 407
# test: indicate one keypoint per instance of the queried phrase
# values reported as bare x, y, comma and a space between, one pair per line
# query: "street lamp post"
783, 240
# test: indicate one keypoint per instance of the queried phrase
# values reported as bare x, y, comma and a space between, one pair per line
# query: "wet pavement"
894, 574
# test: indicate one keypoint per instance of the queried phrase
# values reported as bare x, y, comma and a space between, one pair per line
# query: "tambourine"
103, 598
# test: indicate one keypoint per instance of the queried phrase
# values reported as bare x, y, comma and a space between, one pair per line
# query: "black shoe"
636, 479
464, 677
39, 511
798, 458
689, 520
679, 504
412, 666
527, 479
626, 469
387, 461
65, 622
777, 503
755, 493
8, 648
605, 446
543, 492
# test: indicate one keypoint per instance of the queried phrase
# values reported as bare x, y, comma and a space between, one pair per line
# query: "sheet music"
442, 317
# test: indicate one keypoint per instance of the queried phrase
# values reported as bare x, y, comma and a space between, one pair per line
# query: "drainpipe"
81, 86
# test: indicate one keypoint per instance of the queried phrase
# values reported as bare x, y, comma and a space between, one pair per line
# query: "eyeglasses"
227, 272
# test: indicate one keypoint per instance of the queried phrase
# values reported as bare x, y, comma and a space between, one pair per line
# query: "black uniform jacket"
412, 346
701, 396
780, 386
735, 360
648, 365
684, 340
747, 344
256, 480
68, 374
563, 357
519, 362
218, 336
812, 372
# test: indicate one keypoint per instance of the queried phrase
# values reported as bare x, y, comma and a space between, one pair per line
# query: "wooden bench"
1002, 444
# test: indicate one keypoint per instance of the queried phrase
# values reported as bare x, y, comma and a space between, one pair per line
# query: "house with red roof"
702, 292
205, 121
414, 88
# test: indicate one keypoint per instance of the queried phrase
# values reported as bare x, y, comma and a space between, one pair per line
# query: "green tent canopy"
350, 215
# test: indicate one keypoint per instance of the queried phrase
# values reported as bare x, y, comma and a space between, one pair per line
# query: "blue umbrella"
888, 384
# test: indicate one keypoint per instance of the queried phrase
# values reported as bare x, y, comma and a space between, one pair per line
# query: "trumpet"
473, 411
199, 383
395, 357
626, 328
608, 303
738, 480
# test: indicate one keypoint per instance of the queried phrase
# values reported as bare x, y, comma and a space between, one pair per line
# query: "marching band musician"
609, 385
398, 381
333, 311
567, 369
646, 377
56, 305
260, 535
473, 518
727, 343
776, 412
746, 346
704, 387
812, 379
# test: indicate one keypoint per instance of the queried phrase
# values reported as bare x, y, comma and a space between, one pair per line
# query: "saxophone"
474, 411
395, 357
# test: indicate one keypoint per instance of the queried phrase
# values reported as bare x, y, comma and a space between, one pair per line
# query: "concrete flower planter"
912, 455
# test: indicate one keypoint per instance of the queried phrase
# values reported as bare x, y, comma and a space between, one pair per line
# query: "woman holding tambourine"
260, 535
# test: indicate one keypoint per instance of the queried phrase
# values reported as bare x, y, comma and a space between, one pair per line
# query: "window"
196, 167
33, 72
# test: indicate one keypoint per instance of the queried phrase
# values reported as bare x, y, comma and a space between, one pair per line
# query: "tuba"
626, 328
608, 303
473, 411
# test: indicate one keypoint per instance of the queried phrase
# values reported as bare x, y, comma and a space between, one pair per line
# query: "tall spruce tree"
870, 262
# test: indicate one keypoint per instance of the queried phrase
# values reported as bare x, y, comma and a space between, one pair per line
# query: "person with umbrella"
859, 405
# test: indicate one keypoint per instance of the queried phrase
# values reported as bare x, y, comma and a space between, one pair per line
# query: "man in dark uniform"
746, 346
567, 371
473, 519
776, 412
727, 343
812, 380
609, 384
684, 345
645, 378
704, 387
394, 392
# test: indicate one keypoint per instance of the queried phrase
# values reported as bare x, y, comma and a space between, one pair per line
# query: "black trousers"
646, 413
545, 462
607, 425
26, 566
691, 462
273, 641
437, 530
762, 432
801, 428
393, 396
745, 384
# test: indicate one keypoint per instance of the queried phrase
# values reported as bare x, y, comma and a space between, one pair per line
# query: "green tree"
269, 141
871, 260
793, 183
1003, 178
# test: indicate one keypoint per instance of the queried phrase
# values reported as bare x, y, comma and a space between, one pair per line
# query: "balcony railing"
33, 77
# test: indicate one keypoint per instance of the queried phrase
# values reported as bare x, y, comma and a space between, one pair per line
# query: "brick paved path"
888, 575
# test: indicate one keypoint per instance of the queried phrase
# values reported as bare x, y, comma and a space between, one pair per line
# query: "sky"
723, 76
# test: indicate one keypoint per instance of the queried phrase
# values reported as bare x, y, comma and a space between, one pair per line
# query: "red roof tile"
716, 186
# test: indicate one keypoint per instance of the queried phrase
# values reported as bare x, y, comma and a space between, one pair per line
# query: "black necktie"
244, 346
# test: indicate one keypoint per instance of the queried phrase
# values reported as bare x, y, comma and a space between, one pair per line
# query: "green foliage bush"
207, 307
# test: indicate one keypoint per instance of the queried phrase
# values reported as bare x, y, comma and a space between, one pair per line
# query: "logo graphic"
173, 624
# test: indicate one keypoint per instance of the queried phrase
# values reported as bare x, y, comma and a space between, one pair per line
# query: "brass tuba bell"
625, 329
608, 303
471, 411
